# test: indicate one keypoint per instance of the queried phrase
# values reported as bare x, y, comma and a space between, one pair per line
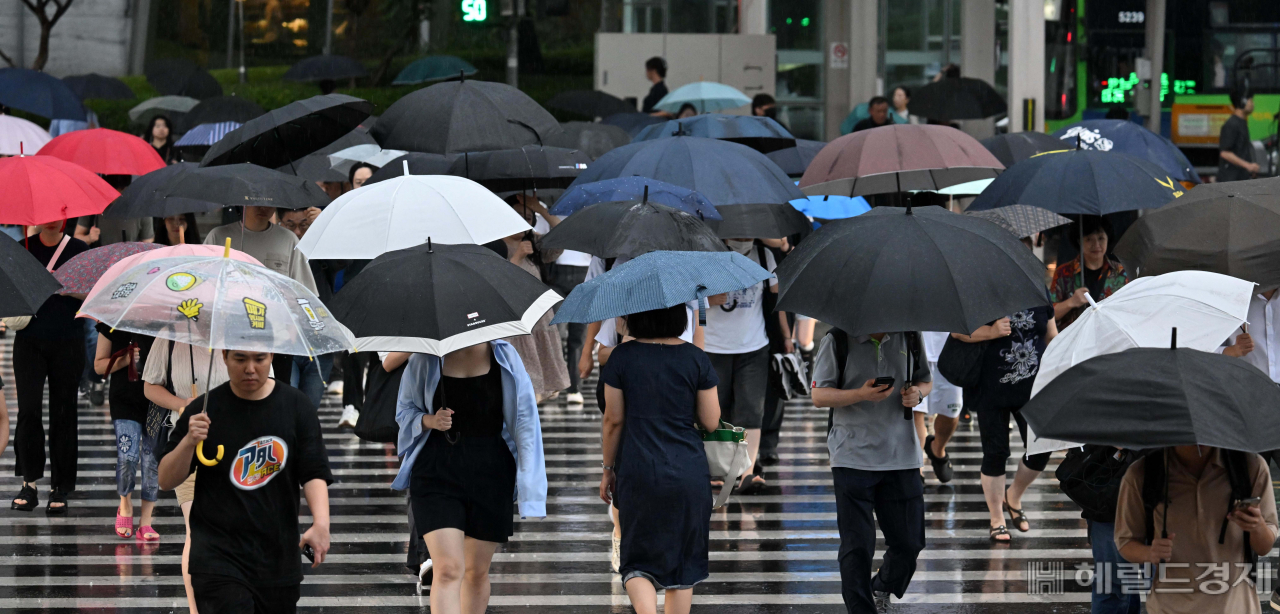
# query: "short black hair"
658, 65
762, 100
658, 323
1240, 99
281, 212
905, 90
875, 100
951, 71
351, 175
1093, 224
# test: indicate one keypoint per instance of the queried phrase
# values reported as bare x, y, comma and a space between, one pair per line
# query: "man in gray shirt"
875, 459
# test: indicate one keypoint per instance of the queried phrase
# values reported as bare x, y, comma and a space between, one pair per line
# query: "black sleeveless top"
476, 402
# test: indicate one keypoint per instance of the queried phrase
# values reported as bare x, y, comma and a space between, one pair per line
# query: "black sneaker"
98, 394
941, 466
882, 601
769, 459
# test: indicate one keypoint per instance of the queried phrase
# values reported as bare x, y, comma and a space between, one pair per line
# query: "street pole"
231, 33
328, 28
1155, 52
243, 75
513, 45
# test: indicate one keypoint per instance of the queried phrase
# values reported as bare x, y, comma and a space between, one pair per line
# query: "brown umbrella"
898, 158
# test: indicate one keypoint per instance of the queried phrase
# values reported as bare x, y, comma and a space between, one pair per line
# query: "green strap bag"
727, 457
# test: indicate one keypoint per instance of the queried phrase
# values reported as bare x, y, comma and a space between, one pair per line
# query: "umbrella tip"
405, 163
646, 193
429, 249
1089, 297
1173, 340
226, 248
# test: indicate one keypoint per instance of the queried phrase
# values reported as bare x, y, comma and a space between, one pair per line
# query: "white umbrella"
19, 136
406, 211
1205, 308
343, 160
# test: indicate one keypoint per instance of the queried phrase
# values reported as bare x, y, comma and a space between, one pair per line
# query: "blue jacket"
520, 426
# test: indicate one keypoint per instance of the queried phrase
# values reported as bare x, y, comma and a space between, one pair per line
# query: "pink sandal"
124, 525
148, 534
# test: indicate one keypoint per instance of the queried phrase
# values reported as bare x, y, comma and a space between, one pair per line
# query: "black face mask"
771, 113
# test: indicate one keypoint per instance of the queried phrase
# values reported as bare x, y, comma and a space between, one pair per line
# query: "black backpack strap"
1153, 482
840, 341
1237, 465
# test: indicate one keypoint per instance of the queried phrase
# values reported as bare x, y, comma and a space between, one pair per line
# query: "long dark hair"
166, 151
191, 236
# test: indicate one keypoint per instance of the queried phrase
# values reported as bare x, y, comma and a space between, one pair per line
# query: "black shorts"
469, 486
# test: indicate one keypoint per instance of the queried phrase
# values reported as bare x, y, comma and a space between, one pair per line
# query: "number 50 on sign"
475, 10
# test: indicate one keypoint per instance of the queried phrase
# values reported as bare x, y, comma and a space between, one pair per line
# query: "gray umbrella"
291, 132
457, 116
629, 229
505, 170
593, 139
316, 166
1022, 220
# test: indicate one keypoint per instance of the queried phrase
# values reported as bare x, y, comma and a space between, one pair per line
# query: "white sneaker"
349, 417
424, 574
573, 398
335, 387
615, 554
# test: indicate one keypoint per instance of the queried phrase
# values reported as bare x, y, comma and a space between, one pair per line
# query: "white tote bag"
727, 457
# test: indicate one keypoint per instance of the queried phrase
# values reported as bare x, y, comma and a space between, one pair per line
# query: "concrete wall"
93, 36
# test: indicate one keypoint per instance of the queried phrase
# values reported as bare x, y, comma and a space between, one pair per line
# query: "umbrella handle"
206, 461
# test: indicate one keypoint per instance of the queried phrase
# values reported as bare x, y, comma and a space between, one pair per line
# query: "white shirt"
737, 327
933, 342
1264, 320
156, 370
569, 257
608, 335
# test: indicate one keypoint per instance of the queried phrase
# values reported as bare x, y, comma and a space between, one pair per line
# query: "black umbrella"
457, 116
437, 299
593, 139
897, 269
1230, 228
144, 197
317, 167
760, 221
24, 282
287, 134
325, 67
590, 103
244, 185
793, 160
1081, 182
1015, 147
181, 77
505, 170
96, 86
222, 109
1153, 397
957, 98
631, 228
632, 122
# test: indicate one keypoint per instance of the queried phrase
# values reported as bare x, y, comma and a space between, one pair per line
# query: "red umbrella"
898, 158
78, 274
106, 152
41, 189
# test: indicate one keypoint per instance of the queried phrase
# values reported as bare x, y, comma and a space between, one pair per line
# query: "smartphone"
310, 552
881, 382
1244, 504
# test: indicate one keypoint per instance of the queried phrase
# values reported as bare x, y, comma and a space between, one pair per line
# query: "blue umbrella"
793, 160
634, 188
759, 133
658, 280
206, 134
434, 68
1126, 137
831, 207
705, 96
633, 123
39, 93
1081, 182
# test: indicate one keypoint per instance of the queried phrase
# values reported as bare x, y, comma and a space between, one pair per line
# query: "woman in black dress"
658, 388
159, 134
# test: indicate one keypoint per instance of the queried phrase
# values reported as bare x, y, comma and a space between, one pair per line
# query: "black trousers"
59, 361
353, 375
227, 595
774, 410
897, 498
993, 429
563, 279
282, 367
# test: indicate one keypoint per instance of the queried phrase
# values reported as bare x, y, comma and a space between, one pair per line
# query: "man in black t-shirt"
878, 109
245, 556
1235, 150
655, 70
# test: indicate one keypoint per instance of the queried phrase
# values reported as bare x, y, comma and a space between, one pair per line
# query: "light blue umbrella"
658, 280
834, 207
206, 134
706, 96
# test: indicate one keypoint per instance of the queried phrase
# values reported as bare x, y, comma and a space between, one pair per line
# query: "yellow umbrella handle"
205, 461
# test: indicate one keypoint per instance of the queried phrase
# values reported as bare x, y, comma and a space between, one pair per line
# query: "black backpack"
1155, 489
1091, 476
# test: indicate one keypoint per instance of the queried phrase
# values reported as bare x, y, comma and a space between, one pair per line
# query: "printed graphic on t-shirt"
259, 461
742, 299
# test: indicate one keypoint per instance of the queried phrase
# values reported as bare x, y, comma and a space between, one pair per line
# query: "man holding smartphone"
875, 459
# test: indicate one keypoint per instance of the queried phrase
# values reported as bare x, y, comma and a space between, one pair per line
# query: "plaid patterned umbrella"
79, 274
1022, 220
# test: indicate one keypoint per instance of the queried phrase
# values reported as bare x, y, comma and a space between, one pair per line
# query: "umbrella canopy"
219, 302
898, 158
459, 116
1022, 220
1014, 147
290, 132
41, 189
325, 68
1205, 307
634, 188
794, 160
590, 103
658, 280
181, 77
925, 268
504, 170
759, 133
96, 86
590, 138
957, 98
106, 152
1219, 227
1081, 182
632, 122
760, 221
206, 135
630, 228
244, 185
1145, 398
828, 207
316, 166
222, 109
24, 282
108, 278
1123, 136
174, 107
439, 298
79, 274
725, 173
407, 211
342, 160
19, 136
434, 68
706, 96
144, 197
39, 93
968, 188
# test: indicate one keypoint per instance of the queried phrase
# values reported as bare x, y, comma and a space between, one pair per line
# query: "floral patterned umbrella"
78, 274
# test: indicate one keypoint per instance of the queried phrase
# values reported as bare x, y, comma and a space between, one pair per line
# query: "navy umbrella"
182, 77
1126, 137
39, 93
1083, 182
96, 86
793, 160
632, 122
1015, 147
759, 133
634, 188
325, 68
